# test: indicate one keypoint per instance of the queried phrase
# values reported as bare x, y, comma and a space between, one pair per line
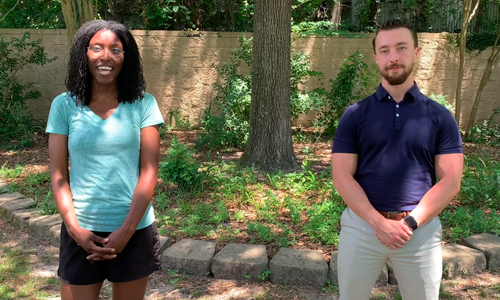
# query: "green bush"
179, 167
229, 127
322, 28
481, 183
324, 220
176, 120
16, 122
487, 133
441, 99
479, 201
355, 81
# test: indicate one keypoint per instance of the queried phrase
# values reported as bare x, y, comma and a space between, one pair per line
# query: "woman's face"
105, 57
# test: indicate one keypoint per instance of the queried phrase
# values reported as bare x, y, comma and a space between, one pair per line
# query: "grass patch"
476, 210
15, 282
242, 204
6, 173
35, 185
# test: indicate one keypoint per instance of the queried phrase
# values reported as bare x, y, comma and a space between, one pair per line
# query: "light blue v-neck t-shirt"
104, 157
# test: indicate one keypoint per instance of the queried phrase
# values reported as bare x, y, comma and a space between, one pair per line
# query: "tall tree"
468, 15
77, 12
270, 145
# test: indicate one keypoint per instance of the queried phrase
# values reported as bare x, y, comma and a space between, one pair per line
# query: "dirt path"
28, 269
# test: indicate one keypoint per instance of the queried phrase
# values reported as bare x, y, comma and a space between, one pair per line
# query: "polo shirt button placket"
397, 121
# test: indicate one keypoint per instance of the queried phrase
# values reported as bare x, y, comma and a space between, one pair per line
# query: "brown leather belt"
394, 215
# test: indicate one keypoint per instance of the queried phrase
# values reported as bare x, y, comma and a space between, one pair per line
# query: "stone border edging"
473, 255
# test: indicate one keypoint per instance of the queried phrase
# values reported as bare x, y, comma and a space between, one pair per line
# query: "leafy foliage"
231, 126
166, 15
180, 167
476, 41
304, 10
487, 133
355, 81
31, 14
16, 122
322, 28
441, 99
479, 200
176, 119
228, 15
481, 40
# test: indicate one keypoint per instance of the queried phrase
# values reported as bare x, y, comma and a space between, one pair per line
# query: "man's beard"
397, 79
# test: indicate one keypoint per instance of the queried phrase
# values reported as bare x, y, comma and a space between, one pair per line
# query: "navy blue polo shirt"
396, 145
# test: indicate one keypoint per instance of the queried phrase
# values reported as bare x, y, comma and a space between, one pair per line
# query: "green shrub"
16, 122
481, 183
324, 220
176, 120
179, 167
479, 201
355, 81
322, 28
229, 125
441, 99
487, 133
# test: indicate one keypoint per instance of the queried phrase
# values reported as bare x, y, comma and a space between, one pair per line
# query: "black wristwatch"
410, 221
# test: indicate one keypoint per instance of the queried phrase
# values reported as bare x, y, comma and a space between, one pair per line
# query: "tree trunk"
467, 18
75, 14
490, 67
270, 145
335, 11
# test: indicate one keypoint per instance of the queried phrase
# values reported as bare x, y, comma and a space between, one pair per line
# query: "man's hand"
117, 240
87, 239
393, 234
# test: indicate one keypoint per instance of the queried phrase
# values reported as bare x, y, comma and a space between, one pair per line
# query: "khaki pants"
361, 257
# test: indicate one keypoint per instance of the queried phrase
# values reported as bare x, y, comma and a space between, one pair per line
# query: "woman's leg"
130, 290
80, 292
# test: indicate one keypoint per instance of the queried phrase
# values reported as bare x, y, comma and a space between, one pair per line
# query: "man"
388, 150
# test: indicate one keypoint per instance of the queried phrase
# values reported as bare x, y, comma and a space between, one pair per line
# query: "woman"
108, 127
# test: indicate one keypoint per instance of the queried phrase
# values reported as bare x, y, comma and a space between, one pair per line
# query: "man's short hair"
395, 24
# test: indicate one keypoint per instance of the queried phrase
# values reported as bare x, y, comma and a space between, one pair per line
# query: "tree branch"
9, 11
471, 16
494, 49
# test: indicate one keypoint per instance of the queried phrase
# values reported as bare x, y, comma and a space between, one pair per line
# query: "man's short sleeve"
58, 122
150, 112
449, 139
346, 136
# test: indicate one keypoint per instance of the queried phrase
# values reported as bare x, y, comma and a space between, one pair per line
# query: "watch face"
411, 222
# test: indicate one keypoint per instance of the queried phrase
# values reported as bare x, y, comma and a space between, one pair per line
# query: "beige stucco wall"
179, 71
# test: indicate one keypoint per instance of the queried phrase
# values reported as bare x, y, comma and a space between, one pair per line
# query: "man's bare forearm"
355, 197
435, 200
449, 168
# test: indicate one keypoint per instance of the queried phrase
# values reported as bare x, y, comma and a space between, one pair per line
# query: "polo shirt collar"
382, 94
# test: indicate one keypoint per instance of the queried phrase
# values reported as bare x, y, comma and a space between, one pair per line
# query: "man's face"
395, 54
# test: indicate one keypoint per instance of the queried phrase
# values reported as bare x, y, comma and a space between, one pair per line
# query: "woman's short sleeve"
58, 121
150, 112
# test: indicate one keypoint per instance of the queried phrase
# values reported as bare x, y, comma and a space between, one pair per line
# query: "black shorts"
140, 258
